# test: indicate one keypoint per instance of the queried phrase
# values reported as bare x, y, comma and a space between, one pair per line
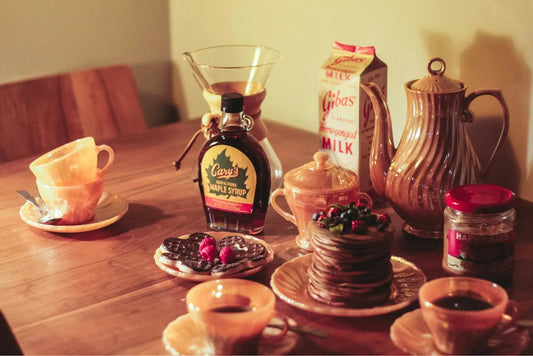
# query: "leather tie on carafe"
209, 129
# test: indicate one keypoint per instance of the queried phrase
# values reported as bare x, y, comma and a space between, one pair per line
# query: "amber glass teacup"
71, 164
462, 313
231, 314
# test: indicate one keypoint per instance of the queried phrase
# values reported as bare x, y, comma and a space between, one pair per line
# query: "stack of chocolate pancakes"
183, 253
349, 269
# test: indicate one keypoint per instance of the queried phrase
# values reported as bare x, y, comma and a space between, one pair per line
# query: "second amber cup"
462, 313
75, 204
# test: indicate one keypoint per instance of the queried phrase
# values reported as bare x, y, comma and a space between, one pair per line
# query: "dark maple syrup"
234, 174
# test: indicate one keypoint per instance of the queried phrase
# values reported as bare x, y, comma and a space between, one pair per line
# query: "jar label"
229, 179
483, 254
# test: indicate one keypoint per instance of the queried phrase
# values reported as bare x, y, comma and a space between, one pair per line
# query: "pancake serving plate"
289, 282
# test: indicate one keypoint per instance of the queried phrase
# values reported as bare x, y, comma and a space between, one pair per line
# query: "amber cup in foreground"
231, 314
462, 330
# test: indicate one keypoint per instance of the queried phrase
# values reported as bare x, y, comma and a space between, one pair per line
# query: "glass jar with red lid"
479, 236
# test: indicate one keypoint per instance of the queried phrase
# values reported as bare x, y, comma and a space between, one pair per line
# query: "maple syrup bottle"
234, 173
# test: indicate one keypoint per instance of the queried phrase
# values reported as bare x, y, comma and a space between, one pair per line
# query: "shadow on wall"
155, 92
491, 61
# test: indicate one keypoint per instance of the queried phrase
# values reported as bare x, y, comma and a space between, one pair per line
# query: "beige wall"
486, 43
40, 37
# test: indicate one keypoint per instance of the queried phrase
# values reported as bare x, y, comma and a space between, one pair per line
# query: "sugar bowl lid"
321, 175
436, 81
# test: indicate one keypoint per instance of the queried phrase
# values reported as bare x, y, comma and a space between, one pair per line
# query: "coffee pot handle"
467, 117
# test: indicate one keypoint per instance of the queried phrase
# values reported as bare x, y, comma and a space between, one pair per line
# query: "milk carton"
346, 117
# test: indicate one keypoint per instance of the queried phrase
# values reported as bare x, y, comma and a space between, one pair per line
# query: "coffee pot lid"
321, 175
436, 81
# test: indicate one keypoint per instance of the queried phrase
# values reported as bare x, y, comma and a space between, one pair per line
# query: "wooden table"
100, 292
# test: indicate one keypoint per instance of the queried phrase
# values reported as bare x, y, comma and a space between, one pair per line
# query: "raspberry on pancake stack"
350, 266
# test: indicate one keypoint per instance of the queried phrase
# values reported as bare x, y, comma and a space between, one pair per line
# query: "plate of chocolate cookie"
202, 256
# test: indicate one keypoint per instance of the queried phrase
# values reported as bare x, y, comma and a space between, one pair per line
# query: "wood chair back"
37, 115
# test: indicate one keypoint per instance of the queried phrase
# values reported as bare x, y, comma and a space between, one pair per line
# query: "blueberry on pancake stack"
350, 266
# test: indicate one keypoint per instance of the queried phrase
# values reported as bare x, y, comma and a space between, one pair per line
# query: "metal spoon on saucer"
50, 217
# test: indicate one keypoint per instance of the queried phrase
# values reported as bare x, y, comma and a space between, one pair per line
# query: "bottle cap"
480, 198
232, 103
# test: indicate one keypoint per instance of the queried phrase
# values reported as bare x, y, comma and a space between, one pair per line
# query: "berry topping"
333, 211
226, 255
208, 241
351, 218
384, 219
359, 227
209, 253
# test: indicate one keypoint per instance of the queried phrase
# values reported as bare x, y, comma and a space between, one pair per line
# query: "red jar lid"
480, 198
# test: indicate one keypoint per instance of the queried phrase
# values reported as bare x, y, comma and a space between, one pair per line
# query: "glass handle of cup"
511, 311
110, 157
509, 317
367, 199
278, 209
281, 335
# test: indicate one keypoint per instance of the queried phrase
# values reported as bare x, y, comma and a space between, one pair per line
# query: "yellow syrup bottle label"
229, 179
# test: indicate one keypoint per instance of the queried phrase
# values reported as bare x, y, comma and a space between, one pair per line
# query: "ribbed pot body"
434, 155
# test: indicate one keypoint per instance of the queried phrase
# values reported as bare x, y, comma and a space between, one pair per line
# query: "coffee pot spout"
382, 150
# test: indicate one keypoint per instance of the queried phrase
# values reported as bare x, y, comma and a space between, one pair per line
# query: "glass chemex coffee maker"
242, 69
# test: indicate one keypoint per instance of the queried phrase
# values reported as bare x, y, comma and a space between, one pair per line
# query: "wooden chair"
37, 115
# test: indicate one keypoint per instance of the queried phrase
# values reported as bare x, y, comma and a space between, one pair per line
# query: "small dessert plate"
411, 334
289, 282
110, 208
181, 338
174, 271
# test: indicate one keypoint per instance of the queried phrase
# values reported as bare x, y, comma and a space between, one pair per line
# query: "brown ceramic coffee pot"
435, 152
